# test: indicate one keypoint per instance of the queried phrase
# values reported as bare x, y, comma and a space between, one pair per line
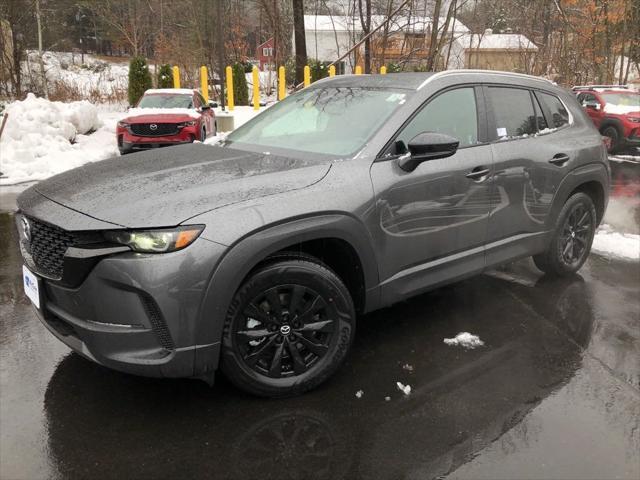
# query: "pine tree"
240, 90
139, 79
165, 76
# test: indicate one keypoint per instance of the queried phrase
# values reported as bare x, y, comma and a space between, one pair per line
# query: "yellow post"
176, 77
282, 87
332, 70
383, 70
307, 76
204, 83
358, 70
229, 76
256, 89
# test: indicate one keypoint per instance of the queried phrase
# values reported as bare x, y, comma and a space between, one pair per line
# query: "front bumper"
136, 313
130, 142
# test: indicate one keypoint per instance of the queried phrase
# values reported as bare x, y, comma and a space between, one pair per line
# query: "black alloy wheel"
288, 328
571, 242
611, 132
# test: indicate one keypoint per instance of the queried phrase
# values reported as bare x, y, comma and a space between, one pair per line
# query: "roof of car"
415, 80
181, 91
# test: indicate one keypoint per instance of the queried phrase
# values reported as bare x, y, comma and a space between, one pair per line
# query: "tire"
572, 238
203, 134
288, 328
614, 135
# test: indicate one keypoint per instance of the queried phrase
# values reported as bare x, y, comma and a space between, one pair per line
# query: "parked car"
615, 111
357, 192
166, 116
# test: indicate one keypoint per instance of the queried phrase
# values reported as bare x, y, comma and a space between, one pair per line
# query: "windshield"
623, 99
168, 100
332, 120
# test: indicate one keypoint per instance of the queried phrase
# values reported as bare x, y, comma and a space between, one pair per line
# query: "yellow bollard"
383, 70
256, 89
282, 87
229, 76
307, 76
358, 70
176, 77
332, 70
204, 83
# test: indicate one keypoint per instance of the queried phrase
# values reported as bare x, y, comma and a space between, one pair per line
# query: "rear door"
531, 156
433, 220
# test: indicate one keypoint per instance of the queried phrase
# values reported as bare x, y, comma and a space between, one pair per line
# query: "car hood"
167, 186
160, 118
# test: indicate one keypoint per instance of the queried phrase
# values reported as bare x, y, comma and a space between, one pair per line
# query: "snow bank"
465, 340
43, 138
610, 243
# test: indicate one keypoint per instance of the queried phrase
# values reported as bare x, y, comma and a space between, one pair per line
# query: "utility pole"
42, 72
220, 48
301, 42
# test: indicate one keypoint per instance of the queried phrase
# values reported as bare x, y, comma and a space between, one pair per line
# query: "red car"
166, 116
615, 111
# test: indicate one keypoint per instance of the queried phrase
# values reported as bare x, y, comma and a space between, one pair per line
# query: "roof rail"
491, 72
592, 87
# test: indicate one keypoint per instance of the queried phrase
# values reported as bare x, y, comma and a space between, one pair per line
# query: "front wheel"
572, 239
288, 329
613, 135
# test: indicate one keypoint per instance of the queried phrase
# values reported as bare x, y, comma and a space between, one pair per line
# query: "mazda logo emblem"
285, 329
153, 126
26, 228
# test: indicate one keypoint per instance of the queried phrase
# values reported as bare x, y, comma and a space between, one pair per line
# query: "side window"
559, 114
513, 111
195, 102
581, 98
453, 113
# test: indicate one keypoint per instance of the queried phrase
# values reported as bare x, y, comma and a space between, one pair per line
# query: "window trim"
481, 112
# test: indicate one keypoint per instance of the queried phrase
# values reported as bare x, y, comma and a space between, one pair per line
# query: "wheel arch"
592, 179
346, 237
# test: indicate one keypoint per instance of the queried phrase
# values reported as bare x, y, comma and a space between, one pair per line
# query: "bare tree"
300, 40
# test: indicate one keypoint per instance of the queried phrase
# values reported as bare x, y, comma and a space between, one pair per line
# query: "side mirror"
427, 146
204, 107
213, 104
592, 105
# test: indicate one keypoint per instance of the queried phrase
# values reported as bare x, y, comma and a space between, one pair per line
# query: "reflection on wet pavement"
554, 393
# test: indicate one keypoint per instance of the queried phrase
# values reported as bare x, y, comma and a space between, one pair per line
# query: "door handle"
559, 159
478, 174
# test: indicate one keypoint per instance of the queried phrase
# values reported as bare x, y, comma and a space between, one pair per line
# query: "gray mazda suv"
257, 255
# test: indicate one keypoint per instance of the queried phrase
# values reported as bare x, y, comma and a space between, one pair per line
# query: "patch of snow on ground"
359, 393
610, 243
465, 340
43, 138
406, 389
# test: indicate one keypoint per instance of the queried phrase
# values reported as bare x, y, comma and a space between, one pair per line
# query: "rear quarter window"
557, 110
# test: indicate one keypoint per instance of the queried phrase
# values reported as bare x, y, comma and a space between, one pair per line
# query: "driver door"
433, 221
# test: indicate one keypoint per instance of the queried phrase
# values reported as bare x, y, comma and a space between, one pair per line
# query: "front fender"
246, 253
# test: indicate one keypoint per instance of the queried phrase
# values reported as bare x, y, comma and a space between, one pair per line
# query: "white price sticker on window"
502, 132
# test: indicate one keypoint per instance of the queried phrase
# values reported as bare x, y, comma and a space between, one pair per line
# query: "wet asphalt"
554, 393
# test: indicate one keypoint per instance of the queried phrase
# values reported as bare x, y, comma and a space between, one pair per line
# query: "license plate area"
31, 284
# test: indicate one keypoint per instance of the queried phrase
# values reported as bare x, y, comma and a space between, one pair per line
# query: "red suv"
166, 116
615, 111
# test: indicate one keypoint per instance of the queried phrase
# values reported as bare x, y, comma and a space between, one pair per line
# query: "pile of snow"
465, 340
406, 389
359, 393
615, 244
86, 75
43, 138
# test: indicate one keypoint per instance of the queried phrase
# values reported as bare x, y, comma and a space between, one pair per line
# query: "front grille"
147, 130
49, 244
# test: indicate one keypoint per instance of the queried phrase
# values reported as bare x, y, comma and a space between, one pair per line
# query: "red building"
264, 54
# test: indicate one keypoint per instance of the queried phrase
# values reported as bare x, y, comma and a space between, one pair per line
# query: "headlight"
156, 241
190, 123
123, 124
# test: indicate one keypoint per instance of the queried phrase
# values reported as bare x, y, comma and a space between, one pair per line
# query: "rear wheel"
571, 242
288, 329
613, 135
